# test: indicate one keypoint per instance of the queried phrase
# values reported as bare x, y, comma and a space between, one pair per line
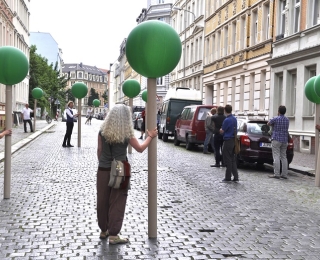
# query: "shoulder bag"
120, 174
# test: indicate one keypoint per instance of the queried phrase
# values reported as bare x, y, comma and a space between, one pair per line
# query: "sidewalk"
301, 163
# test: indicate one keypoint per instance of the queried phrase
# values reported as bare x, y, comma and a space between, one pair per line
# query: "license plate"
268, 145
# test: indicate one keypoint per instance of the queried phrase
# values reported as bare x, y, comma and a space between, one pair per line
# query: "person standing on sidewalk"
89, 115
209, 128
116, 130
279, 142
218, 138
143, 124
69, 123
26, 118
228, 130
5, 132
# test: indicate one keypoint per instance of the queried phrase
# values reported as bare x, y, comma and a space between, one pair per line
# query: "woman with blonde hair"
116, 133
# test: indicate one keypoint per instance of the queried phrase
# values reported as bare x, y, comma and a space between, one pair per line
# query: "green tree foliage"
93, 95
105, 97
48, 78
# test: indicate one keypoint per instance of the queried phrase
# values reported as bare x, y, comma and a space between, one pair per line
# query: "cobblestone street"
51, 213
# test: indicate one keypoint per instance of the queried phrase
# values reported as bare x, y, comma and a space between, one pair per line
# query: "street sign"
57, 102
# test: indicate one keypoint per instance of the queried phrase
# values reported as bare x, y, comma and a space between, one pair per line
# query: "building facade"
14, 31
295, 59
91, 76
188, 19
238, 44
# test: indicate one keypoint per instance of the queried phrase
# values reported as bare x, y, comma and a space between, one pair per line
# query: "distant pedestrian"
143, 124
158, 118
116, 133
89, 115
209, 128
218, 138
26, 111
5, 132
69, 124
229, 130
279, 142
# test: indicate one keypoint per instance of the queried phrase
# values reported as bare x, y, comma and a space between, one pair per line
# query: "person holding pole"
5, 132
69, 123
116, 133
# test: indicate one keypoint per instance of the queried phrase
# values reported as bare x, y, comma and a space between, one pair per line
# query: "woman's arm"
141, 147
99, 149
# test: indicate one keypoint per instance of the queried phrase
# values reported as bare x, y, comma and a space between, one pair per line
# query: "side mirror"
179, 116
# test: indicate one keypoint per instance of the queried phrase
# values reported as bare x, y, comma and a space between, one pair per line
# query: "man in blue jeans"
279, 142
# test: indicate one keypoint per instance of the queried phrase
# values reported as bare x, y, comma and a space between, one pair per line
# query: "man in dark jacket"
218, 138
209, 127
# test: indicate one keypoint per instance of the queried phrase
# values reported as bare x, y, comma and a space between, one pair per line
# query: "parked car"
255, 142
135, 117
100, 116
173, 104
190, 126
64, 115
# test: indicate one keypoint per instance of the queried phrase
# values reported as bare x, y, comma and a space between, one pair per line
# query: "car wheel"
176, 142
260, 165
159, 135
165, 137
189, 145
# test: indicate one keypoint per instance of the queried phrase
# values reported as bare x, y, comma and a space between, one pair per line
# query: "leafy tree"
48, 78
93, 95
105, 97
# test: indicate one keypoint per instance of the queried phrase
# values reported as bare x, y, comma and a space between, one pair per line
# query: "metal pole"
184, 49
317, 164
34, 114
79, 122
131, 105
7, 154
152, 159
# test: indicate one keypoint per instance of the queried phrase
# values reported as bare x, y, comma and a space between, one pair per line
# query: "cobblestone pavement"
51, 213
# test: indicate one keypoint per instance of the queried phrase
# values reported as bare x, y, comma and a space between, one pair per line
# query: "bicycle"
48, 119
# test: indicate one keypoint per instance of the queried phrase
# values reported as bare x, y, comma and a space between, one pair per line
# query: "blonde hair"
118, 126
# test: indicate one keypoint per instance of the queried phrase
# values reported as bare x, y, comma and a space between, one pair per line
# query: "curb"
17, 146
298, 169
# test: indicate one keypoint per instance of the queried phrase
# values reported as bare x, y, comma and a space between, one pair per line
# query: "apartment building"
188, 20
238, 44
14, 31
92, 76
295, 59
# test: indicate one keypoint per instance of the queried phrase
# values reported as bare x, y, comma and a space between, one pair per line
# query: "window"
160, 81
296, 16
266, 22
160, 1
291, 93
90, 76
234, 34
191, 113
208, 50
254, 28
86, 75
80, 75
282, 14
72, 75
313, 13
242, 34
191, 54
218, 44
278, 89
226, 41
196, 50
184, 113
308, 106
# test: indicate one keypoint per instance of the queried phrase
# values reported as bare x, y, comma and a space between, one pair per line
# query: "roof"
183, 93
67, 67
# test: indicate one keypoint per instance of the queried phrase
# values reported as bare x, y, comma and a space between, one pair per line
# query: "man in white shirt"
26, 118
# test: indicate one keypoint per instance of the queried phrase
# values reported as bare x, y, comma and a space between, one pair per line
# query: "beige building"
188, 20
92, 76
238, 44
14, 31
295, 59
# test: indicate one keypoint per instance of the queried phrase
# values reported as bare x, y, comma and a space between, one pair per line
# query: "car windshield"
258, 128
203, 113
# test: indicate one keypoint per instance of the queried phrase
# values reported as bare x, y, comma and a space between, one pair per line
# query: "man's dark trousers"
67, 137
229, 159
25, 125
218, 142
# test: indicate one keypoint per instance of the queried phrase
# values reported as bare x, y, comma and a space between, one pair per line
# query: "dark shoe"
283, 177
140, 137
274, 176
69, 145
225, 180
215, 165
235, 180
64, 145
206, 152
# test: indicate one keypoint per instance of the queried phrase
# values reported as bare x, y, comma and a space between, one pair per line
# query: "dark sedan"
255, 142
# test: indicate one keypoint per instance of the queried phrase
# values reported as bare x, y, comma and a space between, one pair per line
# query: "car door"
180, 124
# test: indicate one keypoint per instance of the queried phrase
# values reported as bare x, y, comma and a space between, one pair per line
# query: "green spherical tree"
309, 91
79, 90
37, 93
96, 102
131, 88
145, 96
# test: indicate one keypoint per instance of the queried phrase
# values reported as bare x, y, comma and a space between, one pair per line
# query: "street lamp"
185, 37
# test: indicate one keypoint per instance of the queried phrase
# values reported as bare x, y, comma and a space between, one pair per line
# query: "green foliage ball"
14, 65
145, 96
96, 102
309, 91
153, 49
79, 90
37, 93
131, 88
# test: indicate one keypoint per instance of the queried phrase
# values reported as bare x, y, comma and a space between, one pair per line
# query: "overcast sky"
87, 31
